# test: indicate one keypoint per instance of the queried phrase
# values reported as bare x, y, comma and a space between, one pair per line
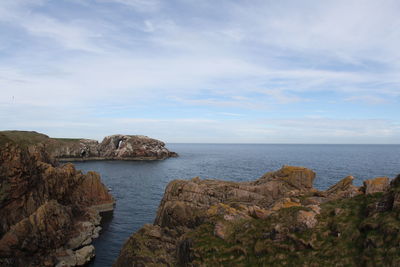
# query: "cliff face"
48, 213
279, 220
114, 147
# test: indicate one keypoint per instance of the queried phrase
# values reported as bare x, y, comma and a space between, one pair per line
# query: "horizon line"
216, 143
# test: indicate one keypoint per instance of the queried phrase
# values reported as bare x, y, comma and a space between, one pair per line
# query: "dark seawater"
139, 186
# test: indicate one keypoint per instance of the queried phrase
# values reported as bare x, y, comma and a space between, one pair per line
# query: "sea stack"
139, 147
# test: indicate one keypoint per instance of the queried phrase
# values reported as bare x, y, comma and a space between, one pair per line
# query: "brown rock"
133, 147
84, 255
43, 205
284, 203
307, 218
220, 230
343, 189
185, 202
379, 184
46, 228
188, 203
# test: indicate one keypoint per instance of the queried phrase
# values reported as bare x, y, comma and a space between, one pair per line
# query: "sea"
138, 186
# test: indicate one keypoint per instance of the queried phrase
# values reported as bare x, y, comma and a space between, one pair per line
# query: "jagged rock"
86, 232
379, 184
46, 228
185, 202
133, 146
84, 255
257, 212
343, 189
138, 253
188, 204
78, 257
277, 220
298, 177
42, 205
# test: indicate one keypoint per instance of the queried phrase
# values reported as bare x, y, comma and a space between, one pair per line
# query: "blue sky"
203, 71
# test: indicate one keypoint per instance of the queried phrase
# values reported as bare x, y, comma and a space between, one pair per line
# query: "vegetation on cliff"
114, 147
277, 220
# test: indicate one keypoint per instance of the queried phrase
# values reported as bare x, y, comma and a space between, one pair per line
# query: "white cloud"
369, 99
139, 5
221, 58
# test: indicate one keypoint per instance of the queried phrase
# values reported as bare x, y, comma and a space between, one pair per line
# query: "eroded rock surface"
277, 220
133, 147
46, 210
114, 147
379, 184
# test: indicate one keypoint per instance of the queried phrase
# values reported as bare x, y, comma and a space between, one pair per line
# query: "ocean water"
139, 186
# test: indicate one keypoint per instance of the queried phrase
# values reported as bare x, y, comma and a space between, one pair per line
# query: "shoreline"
109, 159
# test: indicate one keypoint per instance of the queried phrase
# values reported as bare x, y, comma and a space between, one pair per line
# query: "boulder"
307, 218
343, 189
84, 255
379, 184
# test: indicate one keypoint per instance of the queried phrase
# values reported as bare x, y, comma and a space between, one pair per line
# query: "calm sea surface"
139, 186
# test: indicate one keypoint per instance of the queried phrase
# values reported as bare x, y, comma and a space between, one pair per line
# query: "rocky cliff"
277, 220
114, 147
49, 213
137, 147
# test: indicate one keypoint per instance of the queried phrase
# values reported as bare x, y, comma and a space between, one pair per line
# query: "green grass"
346, 235
22, 138
26, 138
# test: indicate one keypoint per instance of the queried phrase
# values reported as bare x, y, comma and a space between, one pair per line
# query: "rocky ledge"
114, 147
49, 213
277, 220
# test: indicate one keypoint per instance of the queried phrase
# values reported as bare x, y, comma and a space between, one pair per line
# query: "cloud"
177, 60
369, 99
139, 5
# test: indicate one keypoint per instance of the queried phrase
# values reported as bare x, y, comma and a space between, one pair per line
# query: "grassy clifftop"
22, 138
114, 147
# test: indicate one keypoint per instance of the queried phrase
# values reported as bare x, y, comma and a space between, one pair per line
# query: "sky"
210, 71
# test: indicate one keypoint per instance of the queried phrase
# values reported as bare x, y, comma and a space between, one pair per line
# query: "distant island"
114, 147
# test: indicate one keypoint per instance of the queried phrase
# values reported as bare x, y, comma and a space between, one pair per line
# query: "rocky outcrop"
137, 147
279, 219
378, 184
114, 147
343, 189
46, 211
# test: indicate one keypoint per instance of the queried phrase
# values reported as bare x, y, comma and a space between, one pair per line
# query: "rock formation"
277, 220
137, 147
114, 147
49, 214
